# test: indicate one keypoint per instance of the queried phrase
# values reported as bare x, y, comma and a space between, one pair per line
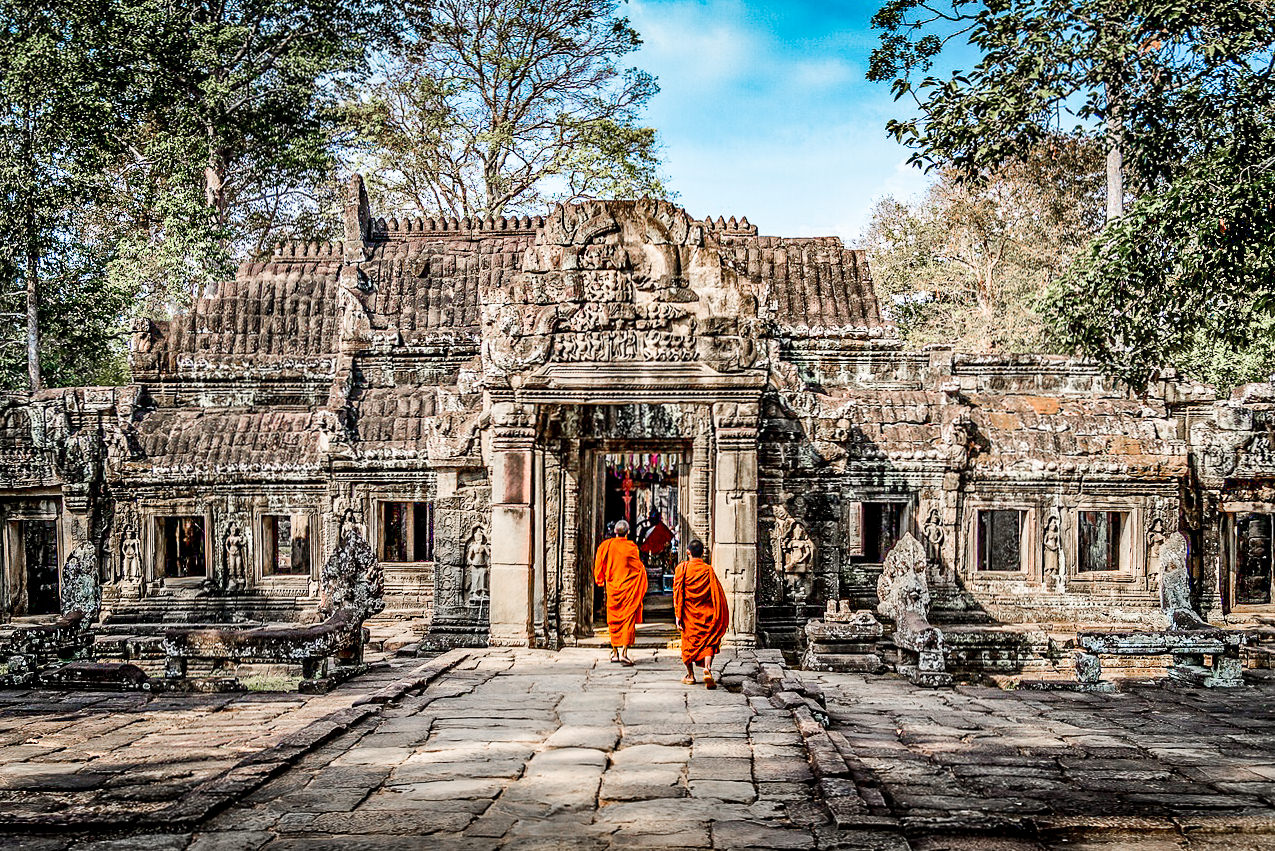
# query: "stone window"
184, 547
1253, 559
1104, 542
1000, 539
407, 532
285, 540
873, 528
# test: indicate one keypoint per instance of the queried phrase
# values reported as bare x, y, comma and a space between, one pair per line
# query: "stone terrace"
1173, 765
532, 749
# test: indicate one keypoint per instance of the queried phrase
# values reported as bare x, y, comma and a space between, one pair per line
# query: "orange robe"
699, 603
619, 567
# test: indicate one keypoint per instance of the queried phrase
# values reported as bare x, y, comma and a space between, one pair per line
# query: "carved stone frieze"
620, 282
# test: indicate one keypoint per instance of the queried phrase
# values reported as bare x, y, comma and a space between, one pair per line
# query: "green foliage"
967, 263
1185, 278
1182, 90
1161, 71
145, 144
55, 135
503, 106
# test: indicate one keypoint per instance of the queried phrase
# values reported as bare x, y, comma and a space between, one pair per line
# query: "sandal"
628, 663
615, 658
688, 680
709, 682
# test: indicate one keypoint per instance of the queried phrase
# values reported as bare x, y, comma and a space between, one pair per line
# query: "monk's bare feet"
709, 682
615, 657
688, 680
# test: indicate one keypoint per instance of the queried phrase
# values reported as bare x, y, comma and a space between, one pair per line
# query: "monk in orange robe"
619, 567
701, 612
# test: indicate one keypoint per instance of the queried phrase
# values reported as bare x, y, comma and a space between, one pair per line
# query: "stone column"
735, 516
512, 526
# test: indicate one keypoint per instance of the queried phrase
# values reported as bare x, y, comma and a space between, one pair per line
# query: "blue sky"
764, 111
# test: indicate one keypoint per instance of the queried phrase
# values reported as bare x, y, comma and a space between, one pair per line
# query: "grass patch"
270, 682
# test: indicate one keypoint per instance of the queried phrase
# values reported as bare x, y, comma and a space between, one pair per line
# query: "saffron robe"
700, 606
619, 567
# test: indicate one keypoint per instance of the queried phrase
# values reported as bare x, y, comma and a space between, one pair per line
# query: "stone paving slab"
1061, 769
75, 759
533, 749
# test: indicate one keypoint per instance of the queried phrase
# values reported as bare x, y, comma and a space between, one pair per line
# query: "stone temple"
484, 398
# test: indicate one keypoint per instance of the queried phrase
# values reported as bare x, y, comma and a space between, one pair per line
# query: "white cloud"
761, 116
702, 42
823, 73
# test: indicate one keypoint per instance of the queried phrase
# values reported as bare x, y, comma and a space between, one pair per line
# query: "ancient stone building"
485, 398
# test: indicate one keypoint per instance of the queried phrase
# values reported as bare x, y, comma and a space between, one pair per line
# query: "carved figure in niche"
352, 524
933, 531
1155, 540
794, 554
236, 576
131, 555
477, 566
1053, 561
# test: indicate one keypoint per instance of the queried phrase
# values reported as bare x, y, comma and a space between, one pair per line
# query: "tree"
54, 134
499, 106
1179, 91
230, 139
144, 144
1187, 277
1144, 75
968, 263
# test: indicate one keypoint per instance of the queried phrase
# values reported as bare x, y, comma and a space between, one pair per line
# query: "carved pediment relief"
614, 282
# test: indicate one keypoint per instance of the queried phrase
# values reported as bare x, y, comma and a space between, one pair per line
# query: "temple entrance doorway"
645, 489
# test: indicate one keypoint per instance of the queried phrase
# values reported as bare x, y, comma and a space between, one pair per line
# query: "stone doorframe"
515, 532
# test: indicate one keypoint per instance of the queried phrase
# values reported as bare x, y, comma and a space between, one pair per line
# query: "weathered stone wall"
413, 359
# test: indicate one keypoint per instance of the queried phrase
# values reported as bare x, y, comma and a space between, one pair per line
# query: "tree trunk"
215, 178
214, 187
33, 262
1115, 159
1115, 183
33, 316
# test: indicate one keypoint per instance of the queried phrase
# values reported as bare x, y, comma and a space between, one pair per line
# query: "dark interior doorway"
643, 488
40, 556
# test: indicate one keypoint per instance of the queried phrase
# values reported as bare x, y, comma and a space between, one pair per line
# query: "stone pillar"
512, 526
735, 516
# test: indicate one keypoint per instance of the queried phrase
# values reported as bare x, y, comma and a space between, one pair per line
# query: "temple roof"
193, 441
422, 280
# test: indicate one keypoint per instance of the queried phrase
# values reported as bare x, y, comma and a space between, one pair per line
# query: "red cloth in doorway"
658, 539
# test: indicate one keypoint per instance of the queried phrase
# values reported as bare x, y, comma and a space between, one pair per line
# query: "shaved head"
622, 529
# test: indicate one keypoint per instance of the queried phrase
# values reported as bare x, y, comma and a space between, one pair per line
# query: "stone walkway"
70, 756
1147, 768
533, 749
546, 750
